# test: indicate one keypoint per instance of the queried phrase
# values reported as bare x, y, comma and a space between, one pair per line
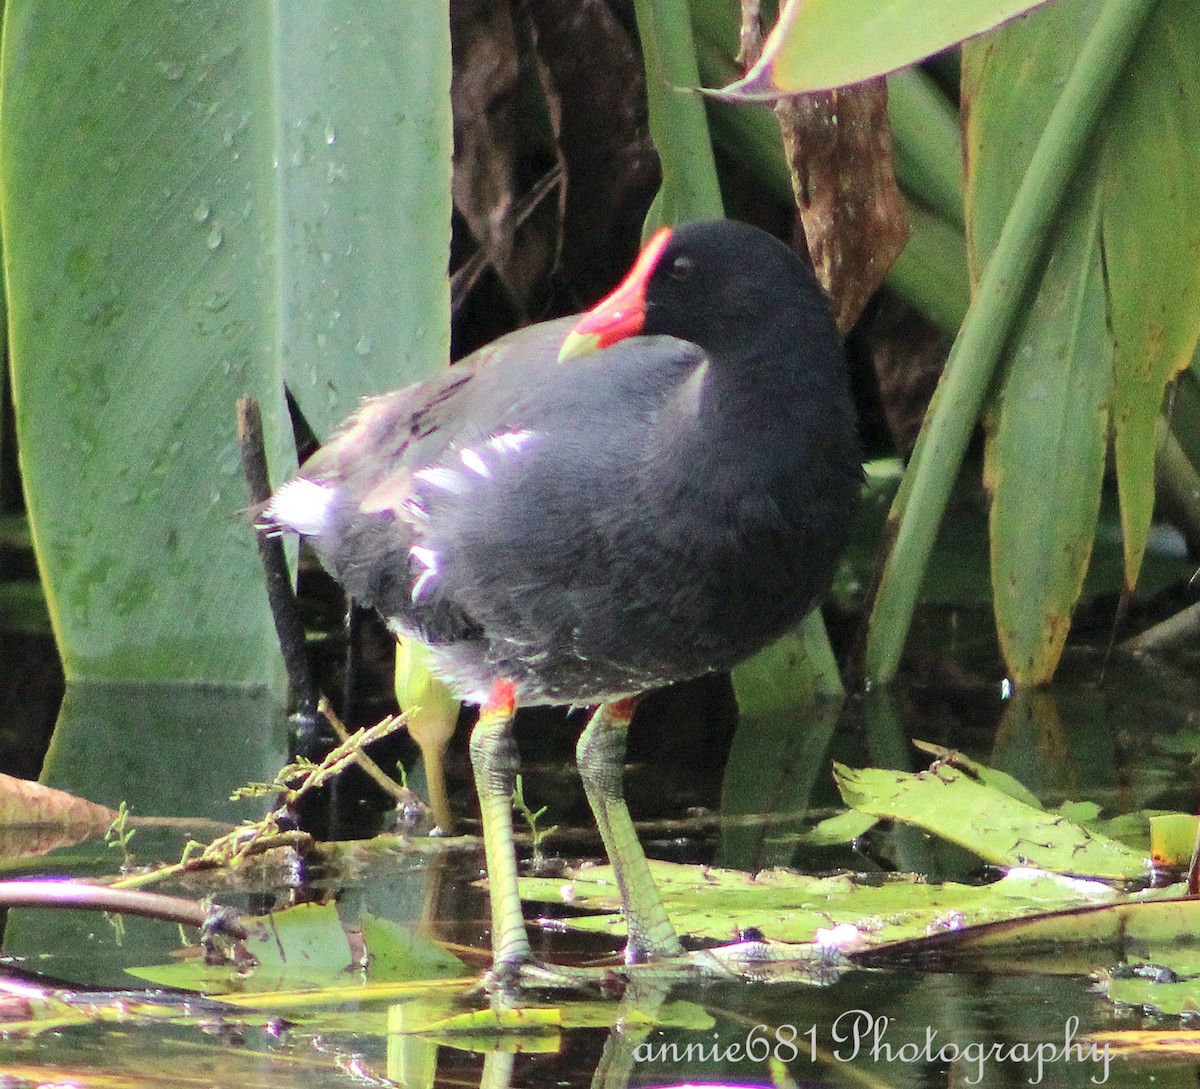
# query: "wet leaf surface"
999, 828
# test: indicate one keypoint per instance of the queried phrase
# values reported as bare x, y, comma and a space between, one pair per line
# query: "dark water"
1126, 743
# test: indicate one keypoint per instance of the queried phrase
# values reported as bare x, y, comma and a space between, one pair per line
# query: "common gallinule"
598, 506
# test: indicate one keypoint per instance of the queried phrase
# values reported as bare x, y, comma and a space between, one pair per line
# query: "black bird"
598, 506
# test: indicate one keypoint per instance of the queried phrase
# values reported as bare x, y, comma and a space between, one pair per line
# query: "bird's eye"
682, 268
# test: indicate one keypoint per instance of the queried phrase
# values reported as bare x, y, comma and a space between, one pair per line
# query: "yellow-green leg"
494, 760
601, 758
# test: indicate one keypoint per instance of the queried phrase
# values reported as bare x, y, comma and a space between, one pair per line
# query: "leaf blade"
822, 44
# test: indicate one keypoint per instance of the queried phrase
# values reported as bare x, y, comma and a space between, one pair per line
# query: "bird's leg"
494, 759
601, 758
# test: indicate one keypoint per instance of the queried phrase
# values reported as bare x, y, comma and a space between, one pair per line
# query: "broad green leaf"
126, 220
478, 1029
793, 672
954, 806
1151, 207
842, 829
1045, 452
819, 44
1144, 987
301, 946
1048, 428
928, 145
1080, 82
790, 907
1010, 82
364, 193
201, 201
398, 952
1154, 915
992, 778
1172, 838
305, 948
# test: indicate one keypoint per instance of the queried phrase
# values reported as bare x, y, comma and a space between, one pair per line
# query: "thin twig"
401, 794
288, 628
81, 895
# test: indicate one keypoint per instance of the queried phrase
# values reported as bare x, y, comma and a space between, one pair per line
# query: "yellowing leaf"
820, 44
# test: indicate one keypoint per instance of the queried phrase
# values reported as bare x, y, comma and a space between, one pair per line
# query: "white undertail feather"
302, 506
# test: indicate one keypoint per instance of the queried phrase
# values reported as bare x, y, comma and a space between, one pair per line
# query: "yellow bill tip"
578, 344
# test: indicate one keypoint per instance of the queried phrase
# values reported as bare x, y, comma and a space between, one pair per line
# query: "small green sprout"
119, 833
531, 818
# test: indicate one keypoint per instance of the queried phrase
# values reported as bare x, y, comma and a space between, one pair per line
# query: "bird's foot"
516, 981
513, 981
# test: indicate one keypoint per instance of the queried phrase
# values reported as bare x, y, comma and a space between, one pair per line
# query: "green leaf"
222, 198
1163, 983
306, 947
1116, 313
1005, 285
1045, 452
844, 828
715, 904
678, 124
1153, 915
992, 778
925, 127
301, 946
365, 144
478, 1029
1172, 838
951, 804
819, 44
1151, 206
790, 676
397, 952
931, 271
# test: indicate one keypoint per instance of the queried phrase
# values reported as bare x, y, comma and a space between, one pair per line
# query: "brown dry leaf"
26, 802
35, 819
839, 148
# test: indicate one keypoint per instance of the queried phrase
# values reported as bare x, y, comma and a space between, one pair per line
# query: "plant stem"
678, 122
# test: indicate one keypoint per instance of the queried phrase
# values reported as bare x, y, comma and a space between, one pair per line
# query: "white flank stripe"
509, 442
446, 479
474, 462
428, 558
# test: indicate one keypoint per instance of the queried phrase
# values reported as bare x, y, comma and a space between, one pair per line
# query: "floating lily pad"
718, 905
954, 805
